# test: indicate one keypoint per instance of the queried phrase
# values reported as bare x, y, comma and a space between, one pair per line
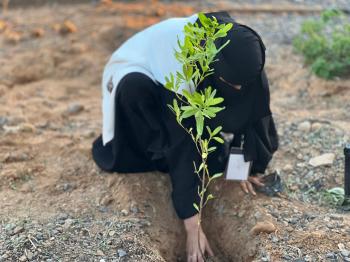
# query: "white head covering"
150, 51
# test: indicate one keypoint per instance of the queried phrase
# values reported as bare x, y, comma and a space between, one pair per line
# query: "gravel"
77, 239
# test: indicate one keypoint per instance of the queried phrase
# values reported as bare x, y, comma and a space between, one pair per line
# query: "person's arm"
185, 182
261, 141
180, 156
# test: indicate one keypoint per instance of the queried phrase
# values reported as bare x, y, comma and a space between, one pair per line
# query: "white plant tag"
237, 168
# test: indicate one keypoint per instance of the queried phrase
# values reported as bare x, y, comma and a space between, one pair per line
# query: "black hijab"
247, 110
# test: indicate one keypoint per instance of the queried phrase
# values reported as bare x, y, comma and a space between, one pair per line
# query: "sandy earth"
50, 112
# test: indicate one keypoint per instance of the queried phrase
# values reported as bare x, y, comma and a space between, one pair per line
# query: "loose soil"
51, 60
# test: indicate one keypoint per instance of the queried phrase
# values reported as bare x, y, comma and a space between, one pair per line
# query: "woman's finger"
256, 180
244, 186
208, 248
251, 189
199, 258
192, 258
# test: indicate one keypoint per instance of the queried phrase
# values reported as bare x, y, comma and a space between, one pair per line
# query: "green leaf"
201, 167
209, 130
217, 130
208, 113
203, 19
196, 206
216, 109
211, 148
171, 108
220, 140
209, 197
215, 101
217, 175
199, 123
189, 112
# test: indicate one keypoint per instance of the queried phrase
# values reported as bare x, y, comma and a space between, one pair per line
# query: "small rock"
89, 134
301, 165
345, 253
287, 167
294, 187
257, 215
111, 233
100, 253
111, 181
103, 209
15, 121
69, 222
38, 32
27, 127
62, 216
106, 200
287, 257
68, 27
289, 229
30, 255
26, 188
74, 109
121, 253
316, 126
275, 239
264, 226
23, 258
241, 213
336, 217
18, 230
16, 157
325, 159
67, 187
3, 120
13, 37
10, 226
145, 222
124, 212
330, 255
304, 126
300, 156
134, 209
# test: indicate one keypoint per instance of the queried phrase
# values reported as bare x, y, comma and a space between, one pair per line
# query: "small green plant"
334, 196
325, 44
196, 54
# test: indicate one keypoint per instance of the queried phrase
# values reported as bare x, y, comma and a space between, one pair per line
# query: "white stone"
325, 159
316, 126
304, 126
287, 167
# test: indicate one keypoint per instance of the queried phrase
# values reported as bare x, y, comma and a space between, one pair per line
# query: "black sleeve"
261, 139
185, 181
260, 142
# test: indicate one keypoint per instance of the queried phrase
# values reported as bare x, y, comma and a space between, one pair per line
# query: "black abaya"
147, 136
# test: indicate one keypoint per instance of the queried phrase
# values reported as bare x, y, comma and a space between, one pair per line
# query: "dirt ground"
51, 60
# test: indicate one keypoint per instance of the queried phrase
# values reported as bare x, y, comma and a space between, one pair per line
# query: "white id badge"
237, 168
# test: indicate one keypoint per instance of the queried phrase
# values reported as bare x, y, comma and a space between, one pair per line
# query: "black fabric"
147, 136
247, 111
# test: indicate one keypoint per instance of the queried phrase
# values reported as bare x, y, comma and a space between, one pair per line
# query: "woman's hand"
246, 185
192, 248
